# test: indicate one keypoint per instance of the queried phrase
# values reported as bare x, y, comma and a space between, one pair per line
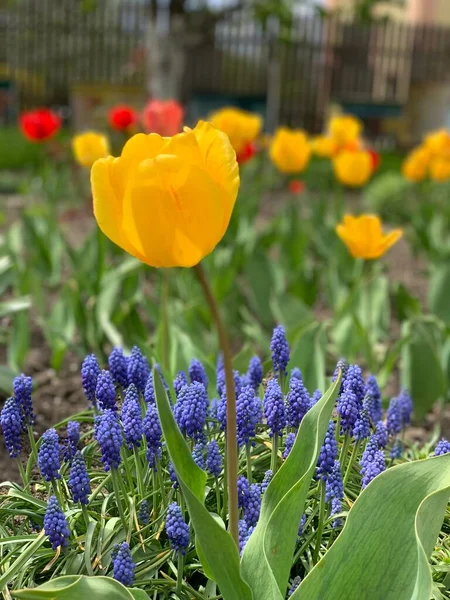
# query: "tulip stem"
165, 319
231, 437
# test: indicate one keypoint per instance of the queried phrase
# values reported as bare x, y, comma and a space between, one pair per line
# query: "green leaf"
439, 292
258, 277
78, 586
394, 525
6, 378
422, 372
308, 352
267, 557
218, 553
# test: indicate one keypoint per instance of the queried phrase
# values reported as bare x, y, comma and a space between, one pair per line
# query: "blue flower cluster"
49, 460
79, 484
11, 424
442, 447
245, 531
177, 529
191, 410
132, 418
248, 415
22, 388
328, 453
153, 435
372, 462
108, 434
123, 565
118, 365
214, 460
138, 370
90, 371
274, 408
72, 441
56, 527
289, 442
298, 402
105, 391
197, 372
280, 350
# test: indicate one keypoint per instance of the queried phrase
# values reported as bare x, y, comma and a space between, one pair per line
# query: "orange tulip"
364, 236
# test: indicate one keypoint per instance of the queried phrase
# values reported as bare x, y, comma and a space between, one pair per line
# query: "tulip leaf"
267, 557
78, 586
308, 352
439, 292
394, 525
218, 552
422, 372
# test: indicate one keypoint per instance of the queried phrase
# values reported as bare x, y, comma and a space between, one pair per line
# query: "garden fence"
48, 45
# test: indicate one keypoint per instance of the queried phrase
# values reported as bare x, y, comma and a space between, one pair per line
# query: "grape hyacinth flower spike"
11, 424
56, 527
280, 350
177, 529
118, 365
89, 374
22, 388
123, 565
49, 461
79, 483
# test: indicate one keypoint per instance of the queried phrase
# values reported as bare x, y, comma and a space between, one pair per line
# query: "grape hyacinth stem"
180, 573
344, 451
22, 473
139, 478
32, 443
116, 487
231, 435
217, 495
352, 462
321, 521
161, 482
274, 460
249, 464
85, 512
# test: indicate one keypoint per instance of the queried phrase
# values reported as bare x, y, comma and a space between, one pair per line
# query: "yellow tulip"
344, 129
440, 169
415, 166
89, 146
241, 127
438, 142
353, 168
290, 150
323, 146
364, 236
167, 201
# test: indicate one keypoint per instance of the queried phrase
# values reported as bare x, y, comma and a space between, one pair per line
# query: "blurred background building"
384, 61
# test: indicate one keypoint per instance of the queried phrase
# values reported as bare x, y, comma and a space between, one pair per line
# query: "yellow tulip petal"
220, 162
186, 208
107, 206
390, 239
142, 146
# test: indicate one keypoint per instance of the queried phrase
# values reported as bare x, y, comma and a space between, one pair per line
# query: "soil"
59, 395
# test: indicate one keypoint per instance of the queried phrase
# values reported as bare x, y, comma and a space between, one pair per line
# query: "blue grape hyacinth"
255, 372
267, 479
197, 372
327, 454
153, 434
22, 388
372, 462
198, 454
298, 402
280, 350
179, 382
252, 504
191, 410
132, 419
406, 407
105, 391
372, 399
56, 527
348, 408
274, 409
214, 460
248, 415
49, 461
79, 483
381, 433
144, 513
138, 369
11, 424
394, 417
118, 365
244, 534
177, 529
108, 434
123, 565
90, 371
72, 441
294, 586
442, 447
361, 430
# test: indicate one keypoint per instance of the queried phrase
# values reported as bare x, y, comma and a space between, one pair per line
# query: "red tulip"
376, 158
163, 116
246, 154
122, 117
39, 124
296, 186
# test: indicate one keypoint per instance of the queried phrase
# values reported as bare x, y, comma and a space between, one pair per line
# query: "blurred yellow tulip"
344, 129
440, 169
415, 166
364, 236
241, 127
324, 146
167, 201
353, 168
438, 143
290, 150
89, 146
